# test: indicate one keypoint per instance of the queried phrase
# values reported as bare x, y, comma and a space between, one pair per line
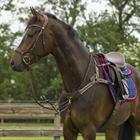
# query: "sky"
97, 7
92, 6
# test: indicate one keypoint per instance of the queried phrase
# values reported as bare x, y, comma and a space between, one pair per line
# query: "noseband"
26, 59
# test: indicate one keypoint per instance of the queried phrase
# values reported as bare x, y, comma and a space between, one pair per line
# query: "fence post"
2, 121
57, 125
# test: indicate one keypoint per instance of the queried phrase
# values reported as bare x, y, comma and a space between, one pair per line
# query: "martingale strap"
93, 80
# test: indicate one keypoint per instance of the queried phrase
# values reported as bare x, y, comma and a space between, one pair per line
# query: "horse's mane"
71, 32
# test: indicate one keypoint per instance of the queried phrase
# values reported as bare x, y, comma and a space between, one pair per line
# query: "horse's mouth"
20, 68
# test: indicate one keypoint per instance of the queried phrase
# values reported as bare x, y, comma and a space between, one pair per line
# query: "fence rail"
22, 133
24, 111
29, 111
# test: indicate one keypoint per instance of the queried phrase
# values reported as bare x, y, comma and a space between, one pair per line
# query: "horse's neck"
72, 60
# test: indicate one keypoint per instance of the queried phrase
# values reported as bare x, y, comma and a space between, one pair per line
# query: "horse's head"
37, 42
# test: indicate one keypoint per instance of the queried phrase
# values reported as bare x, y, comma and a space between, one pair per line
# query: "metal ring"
26, 60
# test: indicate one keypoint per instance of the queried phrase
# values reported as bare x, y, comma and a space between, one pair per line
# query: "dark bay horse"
88, 111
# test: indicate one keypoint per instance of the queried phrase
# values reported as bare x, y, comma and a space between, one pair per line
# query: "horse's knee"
69, 133
89, 133
112, 134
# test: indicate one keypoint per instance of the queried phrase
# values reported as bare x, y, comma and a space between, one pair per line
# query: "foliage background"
100, 32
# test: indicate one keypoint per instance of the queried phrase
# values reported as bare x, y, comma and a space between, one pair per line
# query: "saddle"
116, 58
117, 62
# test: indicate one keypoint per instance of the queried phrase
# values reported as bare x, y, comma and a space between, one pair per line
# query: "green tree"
104, 32
131, 54
101, 34
12, 85
69, 11
126, 14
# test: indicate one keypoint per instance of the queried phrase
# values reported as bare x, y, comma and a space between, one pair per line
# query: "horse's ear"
36, 14
33, 11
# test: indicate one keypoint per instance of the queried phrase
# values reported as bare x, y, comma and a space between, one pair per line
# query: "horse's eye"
31, 33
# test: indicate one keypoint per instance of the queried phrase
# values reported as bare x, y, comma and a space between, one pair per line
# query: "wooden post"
2, 121
57, 125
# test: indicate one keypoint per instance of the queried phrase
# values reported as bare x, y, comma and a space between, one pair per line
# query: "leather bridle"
25, 58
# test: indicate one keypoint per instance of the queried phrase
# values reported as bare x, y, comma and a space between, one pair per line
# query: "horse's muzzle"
18, 67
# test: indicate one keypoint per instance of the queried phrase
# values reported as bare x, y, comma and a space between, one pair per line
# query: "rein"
42, 101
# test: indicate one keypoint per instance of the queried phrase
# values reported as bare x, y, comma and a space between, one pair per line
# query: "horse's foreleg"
112, 134
69, 133
89, 133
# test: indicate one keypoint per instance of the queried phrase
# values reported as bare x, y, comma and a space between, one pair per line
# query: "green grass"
33, 126
45, 138
38, 138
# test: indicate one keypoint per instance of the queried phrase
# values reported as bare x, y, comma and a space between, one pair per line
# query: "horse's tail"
127, 131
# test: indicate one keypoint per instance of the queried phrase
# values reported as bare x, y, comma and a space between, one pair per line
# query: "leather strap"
121, 90
31, 49
112, 119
